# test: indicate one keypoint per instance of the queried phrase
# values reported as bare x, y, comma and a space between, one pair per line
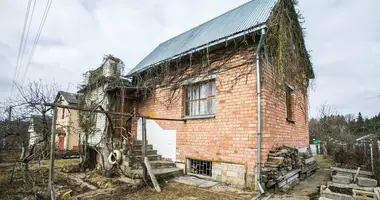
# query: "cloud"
345, 48
342, 35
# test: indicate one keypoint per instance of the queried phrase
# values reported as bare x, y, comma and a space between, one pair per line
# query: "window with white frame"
200, 99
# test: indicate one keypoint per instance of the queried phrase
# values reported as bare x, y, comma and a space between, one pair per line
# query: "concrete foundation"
366, 182
229, 173
341, 179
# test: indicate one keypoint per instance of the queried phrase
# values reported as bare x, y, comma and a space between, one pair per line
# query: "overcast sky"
342, 35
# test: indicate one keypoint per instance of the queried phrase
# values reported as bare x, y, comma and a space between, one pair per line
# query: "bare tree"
29, 105
330, 127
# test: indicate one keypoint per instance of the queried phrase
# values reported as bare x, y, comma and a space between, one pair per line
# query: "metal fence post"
52, 154
143, 131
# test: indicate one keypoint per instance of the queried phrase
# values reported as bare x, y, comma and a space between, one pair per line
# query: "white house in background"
37, 126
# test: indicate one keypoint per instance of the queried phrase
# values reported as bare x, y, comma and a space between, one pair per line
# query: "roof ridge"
245, 17
225, 13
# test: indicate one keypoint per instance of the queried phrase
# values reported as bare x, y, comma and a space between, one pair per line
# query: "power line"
20, 46
47, 8
26, 38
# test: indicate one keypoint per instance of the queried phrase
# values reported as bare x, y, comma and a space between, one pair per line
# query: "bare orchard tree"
29, 105
330, 127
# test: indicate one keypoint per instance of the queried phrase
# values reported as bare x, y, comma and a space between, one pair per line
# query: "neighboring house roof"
71, 98
367, 137
227, 26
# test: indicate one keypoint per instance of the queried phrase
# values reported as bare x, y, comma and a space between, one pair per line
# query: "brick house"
220, 104
67, 122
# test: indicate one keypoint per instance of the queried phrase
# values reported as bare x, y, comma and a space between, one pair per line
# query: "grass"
172, 190
324, 162
62, 162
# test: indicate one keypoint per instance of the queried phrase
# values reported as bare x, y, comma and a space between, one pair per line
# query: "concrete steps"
148, 152
151, 157
159, 173
139, 147
161, 168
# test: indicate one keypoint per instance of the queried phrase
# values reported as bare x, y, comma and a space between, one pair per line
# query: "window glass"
203, 107
200, 99
195, 92
187, 108
212, 106
203, 89
195, 110
212, 88
188, 93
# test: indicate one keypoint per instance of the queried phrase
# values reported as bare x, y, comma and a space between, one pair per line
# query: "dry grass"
39, 176
61, 162
324, 162
171, 190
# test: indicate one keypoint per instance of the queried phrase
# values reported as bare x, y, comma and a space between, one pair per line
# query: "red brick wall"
276, 129
231, 135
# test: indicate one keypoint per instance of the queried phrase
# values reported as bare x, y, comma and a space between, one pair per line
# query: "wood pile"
284, 166
309, 164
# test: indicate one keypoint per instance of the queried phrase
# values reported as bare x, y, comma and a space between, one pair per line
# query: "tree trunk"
324, 146
25, 166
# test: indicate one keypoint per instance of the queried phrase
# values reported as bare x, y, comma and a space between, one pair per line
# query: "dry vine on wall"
170, 76
284, 54
285, 51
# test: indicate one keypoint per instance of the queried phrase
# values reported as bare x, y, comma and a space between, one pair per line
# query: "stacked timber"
309, 164
286, 165
282, 167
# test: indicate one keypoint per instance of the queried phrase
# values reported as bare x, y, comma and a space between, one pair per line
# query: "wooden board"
360, 194
309, 160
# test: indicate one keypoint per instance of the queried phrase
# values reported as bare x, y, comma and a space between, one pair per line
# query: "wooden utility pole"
10, 113
52, 154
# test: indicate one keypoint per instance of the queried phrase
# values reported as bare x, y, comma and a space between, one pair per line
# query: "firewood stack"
309, 164
280, 162
285, 165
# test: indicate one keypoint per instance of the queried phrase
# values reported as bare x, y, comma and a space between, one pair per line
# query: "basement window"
289, 103
201, 167
200, 99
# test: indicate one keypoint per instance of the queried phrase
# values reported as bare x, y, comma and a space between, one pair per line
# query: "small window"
289, 103
200, 99
201, 167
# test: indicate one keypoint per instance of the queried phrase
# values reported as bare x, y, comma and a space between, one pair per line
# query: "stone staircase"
161, 168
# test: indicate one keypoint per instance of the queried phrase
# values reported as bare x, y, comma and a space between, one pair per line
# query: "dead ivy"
284, 47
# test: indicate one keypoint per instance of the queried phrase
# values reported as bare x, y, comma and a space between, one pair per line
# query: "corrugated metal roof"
243, 18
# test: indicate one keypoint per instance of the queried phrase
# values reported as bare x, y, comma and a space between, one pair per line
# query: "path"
77, 177
307, 189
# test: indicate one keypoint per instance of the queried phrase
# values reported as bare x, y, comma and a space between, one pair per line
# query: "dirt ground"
93, 185
307, 189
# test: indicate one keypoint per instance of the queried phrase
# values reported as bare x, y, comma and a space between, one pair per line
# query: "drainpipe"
258, 88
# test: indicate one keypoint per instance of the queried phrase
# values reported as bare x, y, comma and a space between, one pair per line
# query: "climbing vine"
284, 47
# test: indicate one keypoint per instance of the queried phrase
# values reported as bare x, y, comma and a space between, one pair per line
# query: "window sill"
199, 117
290, 121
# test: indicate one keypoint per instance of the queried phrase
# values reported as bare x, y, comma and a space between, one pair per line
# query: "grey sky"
343, 36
